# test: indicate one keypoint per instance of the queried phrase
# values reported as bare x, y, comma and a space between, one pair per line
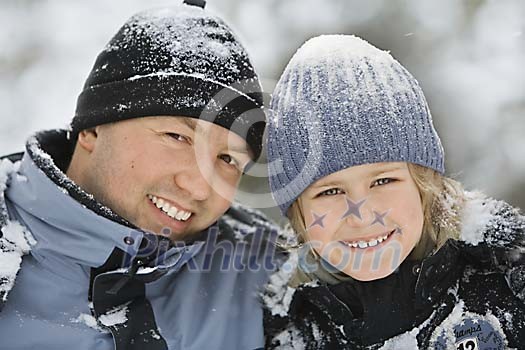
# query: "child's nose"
357, 212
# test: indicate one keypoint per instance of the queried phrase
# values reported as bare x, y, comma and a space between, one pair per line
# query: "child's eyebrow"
325, 184
387, 169
372, 173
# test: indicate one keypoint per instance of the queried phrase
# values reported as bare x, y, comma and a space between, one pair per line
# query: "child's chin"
370, 275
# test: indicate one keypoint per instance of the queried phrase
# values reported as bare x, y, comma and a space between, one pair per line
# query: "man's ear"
88, 138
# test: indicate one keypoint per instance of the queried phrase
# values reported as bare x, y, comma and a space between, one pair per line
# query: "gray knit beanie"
342, 102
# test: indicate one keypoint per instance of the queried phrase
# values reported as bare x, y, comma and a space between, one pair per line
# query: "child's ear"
87, 139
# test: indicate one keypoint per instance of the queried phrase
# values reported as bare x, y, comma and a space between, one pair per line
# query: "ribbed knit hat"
342, 102
179, 61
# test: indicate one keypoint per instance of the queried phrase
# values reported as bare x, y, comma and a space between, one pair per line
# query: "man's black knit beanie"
178, 61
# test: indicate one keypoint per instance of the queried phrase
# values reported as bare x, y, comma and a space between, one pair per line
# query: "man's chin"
173, 233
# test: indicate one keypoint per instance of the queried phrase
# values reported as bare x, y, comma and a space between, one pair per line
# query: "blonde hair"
442, 200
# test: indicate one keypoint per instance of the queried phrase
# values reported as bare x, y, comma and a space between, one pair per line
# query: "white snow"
18, 236
446, 328
16, 240
115, 316
318, 336
154, 334
146, 270
6, 169
290, 339
509, 319
333, 48
477, 213
278, 296
343, 57
9, 266
405, 341
15, 244
89, 321
163, 27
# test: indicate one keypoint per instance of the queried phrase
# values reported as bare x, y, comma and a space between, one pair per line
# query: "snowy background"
469, 57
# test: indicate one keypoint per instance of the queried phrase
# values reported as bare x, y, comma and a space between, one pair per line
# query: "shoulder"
241, 217
493, 237
294, 316
277, 294
15, 240
8, 167
255, 237
491, 221
250, 226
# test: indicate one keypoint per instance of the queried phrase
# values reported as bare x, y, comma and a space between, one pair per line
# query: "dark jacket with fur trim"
470, 294
74, 275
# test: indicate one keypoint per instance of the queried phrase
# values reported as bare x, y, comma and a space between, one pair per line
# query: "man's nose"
196, 179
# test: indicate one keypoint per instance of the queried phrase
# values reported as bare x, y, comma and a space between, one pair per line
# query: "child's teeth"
180, 215
372, 243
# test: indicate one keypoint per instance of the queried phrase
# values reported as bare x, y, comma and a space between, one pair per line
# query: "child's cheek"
323, 227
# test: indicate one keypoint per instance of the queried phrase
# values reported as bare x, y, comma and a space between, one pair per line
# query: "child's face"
365, 220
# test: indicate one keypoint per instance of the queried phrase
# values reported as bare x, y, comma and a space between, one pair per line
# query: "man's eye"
177, 137
383, 181
331, 192
229, 159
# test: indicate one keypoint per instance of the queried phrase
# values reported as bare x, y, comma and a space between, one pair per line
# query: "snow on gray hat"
177, 61
342, 102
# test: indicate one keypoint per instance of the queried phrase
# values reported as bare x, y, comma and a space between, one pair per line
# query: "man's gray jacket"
86, 279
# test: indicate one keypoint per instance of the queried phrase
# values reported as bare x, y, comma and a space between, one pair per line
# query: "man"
118, 234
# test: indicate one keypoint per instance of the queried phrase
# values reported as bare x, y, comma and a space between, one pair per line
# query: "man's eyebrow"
239, 149
190, 123
194, 125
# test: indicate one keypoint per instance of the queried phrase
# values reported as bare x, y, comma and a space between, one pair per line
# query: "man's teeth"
365, 244
171, 211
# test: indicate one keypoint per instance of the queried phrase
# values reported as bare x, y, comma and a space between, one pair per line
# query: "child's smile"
363, 243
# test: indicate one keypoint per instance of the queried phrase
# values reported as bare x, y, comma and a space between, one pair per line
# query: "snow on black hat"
177, 61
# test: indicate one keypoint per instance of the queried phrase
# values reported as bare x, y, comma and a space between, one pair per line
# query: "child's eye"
330, 192
178, 137
382, 181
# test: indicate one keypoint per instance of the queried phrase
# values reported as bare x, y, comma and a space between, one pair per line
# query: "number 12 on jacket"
467, 344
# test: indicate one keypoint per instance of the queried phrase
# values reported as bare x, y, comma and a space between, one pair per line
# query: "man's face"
164, 173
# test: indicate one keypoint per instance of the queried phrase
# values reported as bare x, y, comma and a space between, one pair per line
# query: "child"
391, 253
